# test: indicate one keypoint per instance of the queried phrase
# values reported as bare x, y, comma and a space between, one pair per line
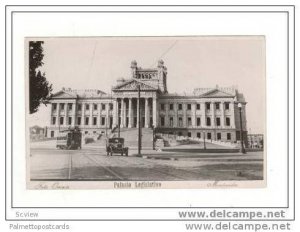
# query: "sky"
192, 62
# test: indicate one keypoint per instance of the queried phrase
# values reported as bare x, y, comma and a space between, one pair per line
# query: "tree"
39, 88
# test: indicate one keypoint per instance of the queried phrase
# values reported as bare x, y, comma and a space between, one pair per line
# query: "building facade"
212, 113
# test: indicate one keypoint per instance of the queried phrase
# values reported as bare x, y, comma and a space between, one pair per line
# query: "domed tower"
133, 68
162, 76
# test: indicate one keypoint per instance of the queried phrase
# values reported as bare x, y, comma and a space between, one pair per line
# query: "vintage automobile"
116, 145
69, 139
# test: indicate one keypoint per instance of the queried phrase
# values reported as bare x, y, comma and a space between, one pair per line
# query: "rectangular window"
189, 106
189, 134
218, 121
208, 121
198, 121
179, 133
111, 106
227, 121
189, 121
226, 105
162, 106
62, 106
61, 120
94, 121
95, 106
162, 121
70, 121
208, 135
218, 136
87, 106
79, 121
228, 136
70, 106
179, 106
180, 121
198, 106
53, 120
87, 121
103, 106
217, 105
54, 106
207, 105
102, 121
198, 135
79, 107
52, 134
171, 106
171, 121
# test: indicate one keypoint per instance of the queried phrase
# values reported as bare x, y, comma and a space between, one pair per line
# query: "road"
93, 164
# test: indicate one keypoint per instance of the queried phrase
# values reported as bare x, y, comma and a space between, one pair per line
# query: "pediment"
63, 94
132, 85
217, 93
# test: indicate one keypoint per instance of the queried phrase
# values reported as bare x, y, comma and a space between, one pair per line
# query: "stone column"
74, 110
212, 106
122, 113
184, 116
193, 115
154, 110
203, 114
57, 114
99, 114
91, 115
66, 114
82, 114
222, 109
115, 119
147, 113
231, 110
175, 119
107, 115
130, 113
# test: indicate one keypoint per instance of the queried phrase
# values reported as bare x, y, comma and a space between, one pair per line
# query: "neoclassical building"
209, 112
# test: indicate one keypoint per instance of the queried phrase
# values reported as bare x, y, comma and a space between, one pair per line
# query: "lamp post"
241, 129
139, 121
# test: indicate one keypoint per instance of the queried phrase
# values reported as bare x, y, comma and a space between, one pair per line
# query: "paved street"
92, 164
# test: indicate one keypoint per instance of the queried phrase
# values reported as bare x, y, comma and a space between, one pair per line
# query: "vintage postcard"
145, 112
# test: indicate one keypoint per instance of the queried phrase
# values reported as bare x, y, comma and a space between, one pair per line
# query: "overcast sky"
192, 62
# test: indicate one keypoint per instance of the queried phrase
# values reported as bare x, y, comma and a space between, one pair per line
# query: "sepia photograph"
145, 112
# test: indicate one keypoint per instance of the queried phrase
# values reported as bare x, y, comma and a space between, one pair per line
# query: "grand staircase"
131, 137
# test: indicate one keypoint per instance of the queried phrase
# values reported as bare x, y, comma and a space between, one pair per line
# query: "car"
69, 139
116, 145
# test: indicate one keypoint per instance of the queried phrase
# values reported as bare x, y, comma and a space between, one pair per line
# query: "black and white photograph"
146, 112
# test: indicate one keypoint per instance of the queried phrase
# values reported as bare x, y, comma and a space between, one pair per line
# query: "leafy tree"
39, 88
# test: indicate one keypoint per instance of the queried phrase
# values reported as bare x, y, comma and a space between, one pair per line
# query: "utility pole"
139, 121
118, 120
243, 151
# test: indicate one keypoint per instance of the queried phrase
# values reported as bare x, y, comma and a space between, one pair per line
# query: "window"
189, 106
180, 121
227, 121
102, 121
162, 121
189, 134
95, 106
87, 106
198, 106
208, 121
94, 121
61, 120
54, 106
198, 121
228, 136
70, 106
52, 134
179, 106
79, 120
179, 133
87, 121
111, 106
103, 106
208, 135
217, 105
171, 121
62, 106
218, 136
218, 121
189, 121
226, 105
86, 132
207, 105
79, 107
198, 135
171, 106
94, 132
162, 106
70, 121
53, 120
